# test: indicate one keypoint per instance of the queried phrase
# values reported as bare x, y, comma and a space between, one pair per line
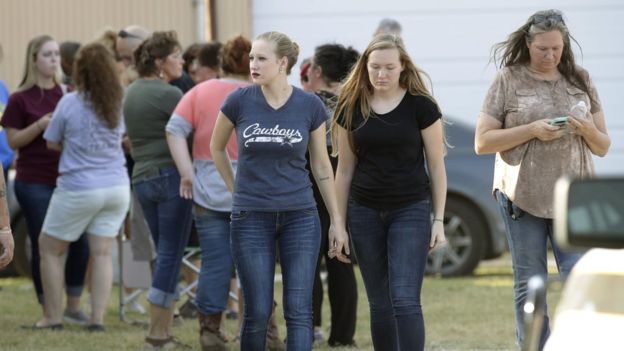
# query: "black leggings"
34, 199
341, 284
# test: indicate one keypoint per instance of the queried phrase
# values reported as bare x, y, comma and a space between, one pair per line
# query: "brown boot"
210, 336
274, 343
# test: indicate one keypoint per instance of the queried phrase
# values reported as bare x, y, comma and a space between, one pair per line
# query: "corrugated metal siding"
82, 21
232, 17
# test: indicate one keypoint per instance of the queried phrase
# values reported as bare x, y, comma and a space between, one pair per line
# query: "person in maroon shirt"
26, 116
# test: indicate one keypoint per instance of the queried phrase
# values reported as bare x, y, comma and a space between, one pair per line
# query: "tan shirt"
527, 173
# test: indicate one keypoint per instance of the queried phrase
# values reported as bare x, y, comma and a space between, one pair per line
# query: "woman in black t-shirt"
387, 125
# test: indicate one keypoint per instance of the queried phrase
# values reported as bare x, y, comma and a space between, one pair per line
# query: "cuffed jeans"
527, 236
213, 232
169, 219
254, 236
391, 248
34, 199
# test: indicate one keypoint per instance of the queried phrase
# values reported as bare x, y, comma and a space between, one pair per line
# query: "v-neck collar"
292, 93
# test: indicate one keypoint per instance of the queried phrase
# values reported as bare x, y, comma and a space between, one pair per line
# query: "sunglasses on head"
554, 16
123, 34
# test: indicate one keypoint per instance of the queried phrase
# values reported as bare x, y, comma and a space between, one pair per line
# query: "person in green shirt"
149, 103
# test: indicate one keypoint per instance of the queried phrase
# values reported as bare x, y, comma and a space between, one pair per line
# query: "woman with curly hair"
148, 105
92, 192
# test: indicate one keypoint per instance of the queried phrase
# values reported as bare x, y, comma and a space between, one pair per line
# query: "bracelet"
438, 219
6, 231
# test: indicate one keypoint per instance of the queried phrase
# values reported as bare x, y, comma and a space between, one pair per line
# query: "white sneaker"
319, 338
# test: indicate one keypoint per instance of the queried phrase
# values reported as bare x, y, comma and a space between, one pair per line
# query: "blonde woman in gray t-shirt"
538, 82
273, 204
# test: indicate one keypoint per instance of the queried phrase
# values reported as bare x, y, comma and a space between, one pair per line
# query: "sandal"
164, 344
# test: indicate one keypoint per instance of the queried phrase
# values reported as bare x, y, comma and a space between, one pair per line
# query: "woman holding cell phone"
538, 82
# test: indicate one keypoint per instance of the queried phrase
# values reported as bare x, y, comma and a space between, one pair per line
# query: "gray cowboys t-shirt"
272, 143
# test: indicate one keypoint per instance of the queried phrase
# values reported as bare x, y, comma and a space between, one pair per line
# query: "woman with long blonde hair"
25, 118
387, 125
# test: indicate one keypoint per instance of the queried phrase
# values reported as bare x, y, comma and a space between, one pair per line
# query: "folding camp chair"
187, 260
133, 274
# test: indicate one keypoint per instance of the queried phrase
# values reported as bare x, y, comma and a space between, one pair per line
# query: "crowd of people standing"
215, 141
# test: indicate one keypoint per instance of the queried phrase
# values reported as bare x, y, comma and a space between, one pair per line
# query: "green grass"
471, 313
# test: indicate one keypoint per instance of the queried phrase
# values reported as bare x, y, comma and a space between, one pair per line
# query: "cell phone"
559, 121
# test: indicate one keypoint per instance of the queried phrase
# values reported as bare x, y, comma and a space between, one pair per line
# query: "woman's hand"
438, 239
593, 130
126, 145
43, 122
543, 131
339, 244
186, 186
6, 246
182, 158
581, 126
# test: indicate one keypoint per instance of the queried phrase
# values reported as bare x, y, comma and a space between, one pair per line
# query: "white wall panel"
451, 40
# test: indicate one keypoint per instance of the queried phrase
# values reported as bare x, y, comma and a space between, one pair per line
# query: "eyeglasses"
552, 15
123, 34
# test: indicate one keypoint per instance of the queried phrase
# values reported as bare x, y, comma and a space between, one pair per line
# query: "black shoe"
188, 310
95, 328
231, 314
55, 327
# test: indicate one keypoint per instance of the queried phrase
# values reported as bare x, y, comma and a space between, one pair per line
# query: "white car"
590, 313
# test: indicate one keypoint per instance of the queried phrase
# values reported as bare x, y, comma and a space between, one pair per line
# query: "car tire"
21, 257
466, 234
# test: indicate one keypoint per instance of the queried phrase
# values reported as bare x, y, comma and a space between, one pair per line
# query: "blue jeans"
254, 236
213, 231
527, 236
169, 219
391, 248
34, 199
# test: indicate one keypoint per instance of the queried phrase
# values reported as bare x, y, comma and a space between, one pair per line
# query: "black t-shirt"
184, 83
390, 170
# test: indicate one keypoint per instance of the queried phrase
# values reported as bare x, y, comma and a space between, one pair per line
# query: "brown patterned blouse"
527, 173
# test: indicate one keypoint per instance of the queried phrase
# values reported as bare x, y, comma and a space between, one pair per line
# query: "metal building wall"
82, 21
232, 17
